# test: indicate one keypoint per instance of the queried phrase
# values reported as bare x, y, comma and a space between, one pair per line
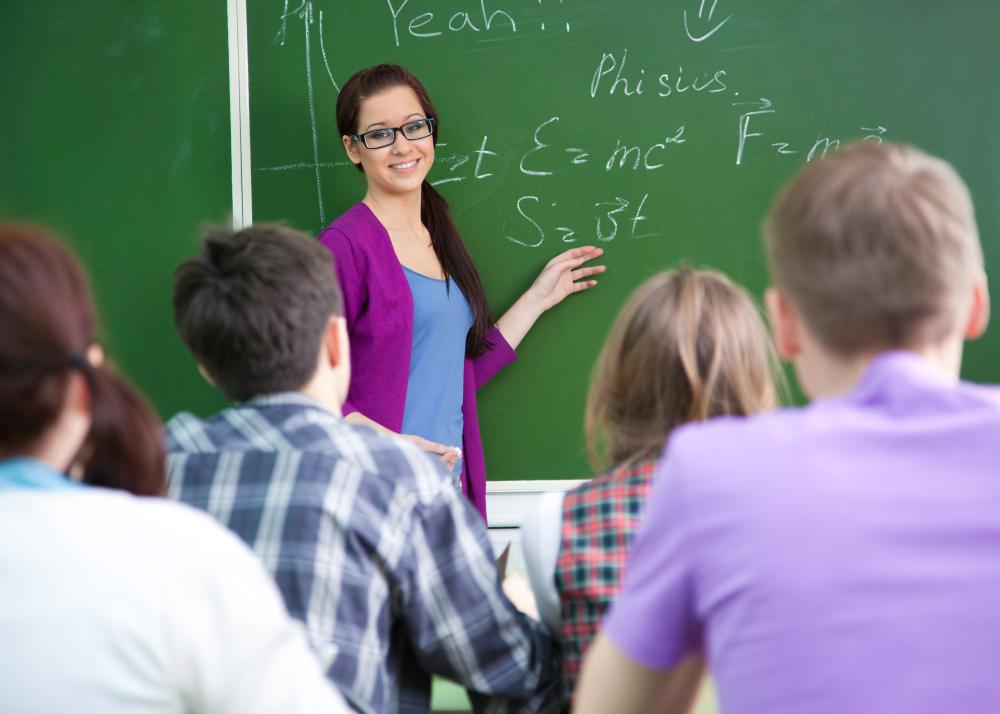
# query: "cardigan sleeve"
494, 359
352, 287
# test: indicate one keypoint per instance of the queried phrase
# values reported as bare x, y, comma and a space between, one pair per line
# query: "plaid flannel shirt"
388, 566
599, 519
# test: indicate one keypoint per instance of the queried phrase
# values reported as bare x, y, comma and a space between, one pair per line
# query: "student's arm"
540, 541
562, 276
458, 620
234, 649
611, 681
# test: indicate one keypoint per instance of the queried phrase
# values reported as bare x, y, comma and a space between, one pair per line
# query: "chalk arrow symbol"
762, 103
704, 19
619, 203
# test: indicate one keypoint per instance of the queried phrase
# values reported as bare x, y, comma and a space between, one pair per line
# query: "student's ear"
979, 310
351, 147
784, 320
335, 341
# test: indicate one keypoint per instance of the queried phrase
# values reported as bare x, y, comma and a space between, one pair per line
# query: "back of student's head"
687, 346
877, 248
253, 308
47, 324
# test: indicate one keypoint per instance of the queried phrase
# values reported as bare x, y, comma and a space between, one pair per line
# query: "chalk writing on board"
611, 219
819, 147
704, 24
611, 76
322, 49
633, 155
427, 24
457, 161
554, 147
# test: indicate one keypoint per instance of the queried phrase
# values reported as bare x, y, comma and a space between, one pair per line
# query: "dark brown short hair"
688, 345
253, 308
47, 324
876, 246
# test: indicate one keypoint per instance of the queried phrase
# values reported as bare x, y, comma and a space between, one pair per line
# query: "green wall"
115, 131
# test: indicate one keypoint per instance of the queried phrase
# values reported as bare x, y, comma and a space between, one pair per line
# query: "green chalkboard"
660, 130
114, 129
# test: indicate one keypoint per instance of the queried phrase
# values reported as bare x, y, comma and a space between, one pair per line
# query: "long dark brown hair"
48, 325
434, 212
688, 345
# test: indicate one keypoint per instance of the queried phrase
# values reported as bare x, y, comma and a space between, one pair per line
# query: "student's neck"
831, 376
325, 393
395, 211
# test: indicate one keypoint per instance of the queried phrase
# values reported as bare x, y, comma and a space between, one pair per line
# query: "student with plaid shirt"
687, 346
388, 566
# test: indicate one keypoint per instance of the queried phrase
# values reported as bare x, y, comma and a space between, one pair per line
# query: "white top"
112, 604
541, 534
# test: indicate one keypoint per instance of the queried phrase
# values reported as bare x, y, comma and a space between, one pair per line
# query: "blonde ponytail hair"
687, 346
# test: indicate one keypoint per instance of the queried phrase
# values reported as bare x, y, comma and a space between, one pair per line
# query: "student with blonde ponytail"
687, 346
422, 335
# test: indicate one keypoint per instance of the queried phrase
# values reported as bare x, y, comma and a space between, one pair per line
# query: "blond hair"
688, 345
876, 246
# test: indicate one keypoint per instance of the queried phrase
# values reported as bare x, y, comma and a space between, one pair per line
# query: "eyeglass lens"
379, 138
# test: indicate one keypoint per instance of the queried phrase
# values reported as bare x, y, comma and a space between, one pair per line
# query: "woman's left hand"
563, 276
560, 277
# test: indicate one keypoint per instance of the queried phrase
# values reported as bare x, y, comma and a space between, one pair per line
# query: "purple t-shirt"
843, 557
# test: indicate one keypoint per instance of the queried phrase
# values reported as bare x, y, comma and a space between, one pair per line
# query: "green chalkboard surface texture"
659, 130
115, 131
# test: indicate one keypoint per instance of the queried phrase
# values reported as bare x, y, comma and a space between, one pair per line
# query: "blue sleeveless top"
441, 321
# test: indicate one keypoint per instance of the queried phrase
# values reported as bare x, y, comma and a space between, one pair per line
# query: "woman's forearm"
359, 418
515, 323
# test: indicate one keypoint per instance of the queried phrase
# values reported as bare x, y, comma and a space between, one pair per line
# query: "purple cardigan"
378, 306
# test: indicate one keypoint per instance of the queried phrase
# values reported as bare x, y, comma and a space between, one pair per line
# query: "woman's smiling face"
402, 166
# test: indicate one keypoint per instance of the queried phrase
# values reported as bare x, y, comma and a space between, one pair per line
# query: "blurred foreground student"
387, 564
842, 557
111, 603
688, 345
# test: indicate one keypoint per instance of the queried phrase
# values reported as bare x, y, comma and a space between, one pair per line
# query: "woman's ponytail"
458, 265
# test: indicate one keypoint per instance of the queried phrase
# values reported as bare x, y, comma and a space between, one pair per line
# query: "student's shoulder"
726, 447
185, 432
164, 530
407, 467
988, 395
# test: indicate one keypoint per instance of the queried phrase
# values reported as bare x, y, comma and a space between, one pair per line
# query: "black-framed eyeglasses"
386, 135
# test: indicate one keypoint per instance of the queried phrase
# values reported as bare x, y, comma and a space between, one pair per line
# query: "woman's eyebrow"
418, 115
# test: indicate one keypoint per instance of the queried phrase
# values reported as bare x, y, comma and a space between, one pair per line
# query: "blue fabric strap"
30, 474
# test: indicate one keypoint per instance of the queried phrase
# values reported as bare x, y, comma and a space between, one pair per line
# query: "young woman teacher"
422, 336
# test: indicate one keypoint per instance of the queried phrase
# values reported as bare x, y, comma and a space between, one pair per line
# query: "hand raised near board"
562, 276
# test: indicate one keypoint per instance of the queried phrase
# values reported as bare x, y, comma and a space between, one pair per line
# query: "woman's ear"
351, 147
784, 322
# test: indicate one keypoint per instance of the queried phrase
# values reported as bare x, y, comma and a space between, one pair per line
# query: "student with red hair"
110, 602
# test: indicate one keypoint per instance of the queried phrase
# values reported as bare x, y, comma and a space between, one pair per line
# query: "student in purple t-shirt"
845, 556
421, 349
